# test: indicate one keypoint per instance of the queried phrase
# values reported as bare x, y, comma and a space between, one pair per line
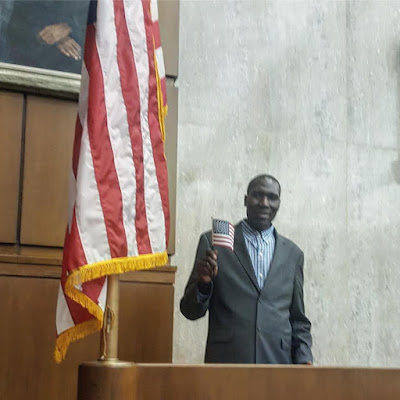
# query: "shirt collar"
252, 234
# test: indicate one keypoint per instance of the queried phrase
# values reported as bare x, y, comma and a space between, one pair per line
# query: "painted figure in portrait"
44, 34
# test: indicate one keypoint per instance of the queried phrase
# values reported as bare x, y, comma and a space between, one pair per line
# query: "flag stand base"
107, 380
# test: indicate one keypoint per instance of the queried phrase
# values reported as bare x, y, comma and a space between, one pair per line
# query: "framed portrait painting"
41, 43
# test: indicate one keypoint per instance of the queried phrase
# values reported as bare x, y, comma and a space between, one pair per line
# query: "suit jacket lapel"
243, 255
279, 254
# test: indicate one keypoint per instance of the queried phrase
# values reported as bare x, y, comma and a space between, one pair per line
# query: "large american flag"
223, 233
118, 208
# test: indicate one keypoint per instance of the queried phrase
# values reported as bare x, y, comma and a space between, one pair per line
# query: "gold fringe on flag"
88, 273
162, 109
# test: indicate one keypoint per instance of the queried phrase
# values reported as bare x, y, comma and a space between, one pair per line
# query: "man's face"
262, 203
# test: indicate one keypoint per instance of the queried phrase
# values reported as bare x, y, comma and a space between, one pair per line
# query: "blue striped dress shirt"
261, 247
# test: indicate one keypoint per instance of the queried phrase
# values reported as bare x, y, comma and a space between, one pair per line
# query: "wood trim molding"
162, 275
43, 262
30, 255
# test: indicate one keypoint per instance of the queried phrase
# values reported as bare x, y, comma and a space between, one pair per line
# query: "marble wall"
310, 92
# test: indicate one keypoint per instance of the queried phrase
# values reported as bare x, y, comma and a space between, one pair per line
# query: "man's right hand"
70, 48
207, 266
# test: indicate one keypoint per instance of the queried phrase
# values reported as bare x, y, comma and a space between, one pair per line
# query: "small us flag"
223, 233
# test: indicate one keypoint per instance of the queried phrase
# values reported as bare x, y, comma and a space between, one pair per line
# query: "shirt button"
260, 254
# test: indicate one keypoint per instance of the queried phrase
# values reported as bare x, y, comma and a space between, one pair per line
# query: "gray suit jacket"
249, 324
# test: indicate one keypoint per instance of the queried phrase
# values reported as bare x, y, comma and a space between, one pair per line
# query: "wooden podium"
236, 382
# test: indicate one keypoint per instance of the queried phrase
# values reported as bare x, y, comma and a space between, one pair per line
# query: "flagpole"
108, 378
109, 334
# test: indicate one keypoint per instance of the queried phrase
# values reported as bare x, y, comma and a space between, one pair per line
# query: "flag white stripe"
226, 237
88, 211
84, 94
101, 301
117, 120
230, 234
71, 198
160, 62
154, 10
218, 236
82, 109
220, 240
64, 320
224, 244
154, 211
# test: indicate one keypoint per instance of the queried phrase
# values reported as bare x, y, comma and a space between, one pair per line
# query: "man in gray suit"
254, 294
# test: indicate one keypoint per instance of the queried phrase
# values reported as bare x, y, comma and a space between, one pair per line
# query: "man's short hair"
263, 176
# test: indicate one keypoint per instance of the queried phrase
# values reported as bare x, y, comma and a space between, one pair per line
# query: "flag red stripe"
222, 235
156, 30
154, 125
222, 240
130, 92
229, 240
93, 288
102, 153
230, 234
73, 257
77, 145
224, 245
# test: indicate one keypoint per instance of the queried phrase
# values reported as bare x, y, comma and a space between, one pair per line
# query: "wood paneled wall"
48, 125
48, 155
27, 334
11, 117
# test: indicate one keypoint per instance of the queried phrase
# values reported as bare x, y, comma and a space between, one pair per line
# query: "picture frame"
41, 45
38, 80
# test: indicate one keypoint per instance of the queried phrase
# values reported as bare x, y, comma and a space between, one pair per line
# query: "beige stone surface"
308, 91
